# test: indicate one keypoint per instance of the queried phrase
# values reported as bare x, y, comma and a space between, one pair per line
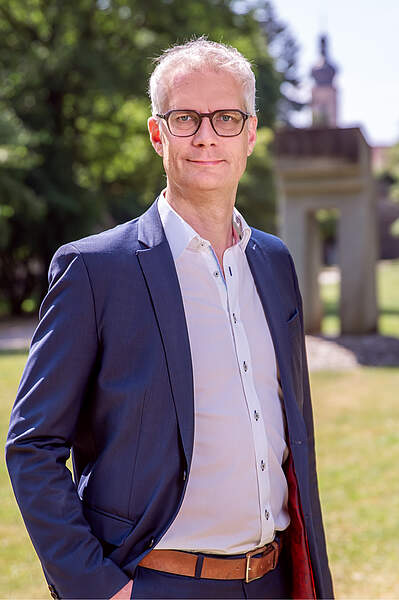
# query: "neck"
209, 214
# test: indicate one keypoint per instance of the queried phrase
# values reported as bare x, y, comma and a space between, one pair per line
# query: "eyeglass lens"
187, 122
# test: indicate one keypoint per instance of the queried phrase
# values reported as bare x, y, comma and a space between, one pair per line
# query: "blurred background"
75, 159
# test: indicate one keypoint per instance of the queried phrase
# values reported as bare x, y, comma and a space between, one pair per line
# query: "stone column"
300, 230
357, 258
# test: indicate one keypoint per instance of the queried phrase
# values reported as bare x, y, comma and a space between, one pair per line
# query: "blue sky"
364, 45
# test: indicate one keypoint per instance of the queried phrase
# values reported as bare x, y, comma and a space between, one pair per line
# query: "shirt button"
267, 514
262, 465
216, 273
234, 318
245, 366
256, 415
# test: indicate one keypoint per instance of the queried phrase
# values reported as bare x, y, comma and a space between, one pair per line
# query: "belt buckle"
272, 547
248, 556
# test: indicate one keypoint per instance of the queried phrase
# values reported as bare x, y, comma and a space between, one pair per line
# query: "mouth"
206, 163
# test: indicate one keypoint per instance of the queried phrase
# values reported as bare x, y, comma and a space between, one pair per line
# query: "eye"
228, 117
183, 118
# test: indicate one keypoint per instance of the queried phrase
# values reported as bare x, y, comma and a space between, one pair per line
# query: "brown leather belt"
197, 565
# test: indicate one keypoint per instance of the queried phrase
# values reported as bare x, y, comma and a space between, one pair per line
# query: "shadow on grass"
372, 350
393, 312
13, 351
330, 309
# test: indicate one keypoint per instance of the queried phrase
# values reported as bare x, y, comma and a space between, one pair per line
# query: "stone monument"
329, 167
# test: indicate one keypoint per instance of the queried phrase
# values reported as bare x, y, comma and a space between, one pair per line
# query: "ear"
252, 125
155, 135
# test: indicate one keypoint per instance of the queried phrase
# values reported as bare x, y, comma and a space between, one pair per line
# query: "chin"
207, 183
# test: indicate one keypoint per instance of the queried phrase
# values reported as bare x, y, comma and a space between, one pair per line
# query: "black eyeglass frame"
202, 116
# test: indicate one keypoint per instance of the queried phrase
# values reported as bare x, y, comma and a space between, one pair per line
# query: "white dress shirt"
236, 495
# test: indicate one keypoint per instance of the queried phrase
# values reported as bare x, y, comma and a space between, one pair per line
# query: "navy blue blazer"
109, 375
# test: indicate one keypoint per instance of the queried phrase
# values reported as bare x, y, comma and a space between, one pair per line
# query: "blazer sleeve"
313, 483
43, 420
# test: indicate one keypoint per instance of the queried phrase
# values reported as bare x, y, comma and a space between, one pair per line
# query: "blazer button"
151, 542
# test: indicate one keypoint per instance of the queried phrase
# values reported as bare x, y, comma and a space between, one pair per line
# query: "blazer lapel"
159, 271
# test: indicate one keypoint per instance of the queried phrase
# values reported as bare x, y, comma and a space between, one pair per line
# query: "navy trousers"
149, 583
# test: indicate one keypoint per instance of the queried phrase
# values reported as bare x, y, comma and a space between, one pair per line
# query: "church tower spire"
324, 93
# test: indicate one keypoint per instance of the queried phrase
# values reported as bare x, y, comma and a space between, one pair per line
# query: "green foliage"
256, 192
328, 220
21, 211
283, 49
391, 173
393, 162
395, 228
74, 151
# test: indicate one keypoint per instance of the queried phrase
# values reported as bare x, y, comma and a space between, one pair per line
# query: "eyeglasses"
225, 123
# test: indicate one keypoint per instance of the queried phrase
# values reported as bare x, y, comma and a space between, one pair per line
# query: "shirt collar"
181, 235
241, 228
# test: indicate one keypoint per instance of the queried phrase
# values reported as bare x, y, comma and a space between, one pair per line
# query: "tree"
75, 78
21, 210
284, 49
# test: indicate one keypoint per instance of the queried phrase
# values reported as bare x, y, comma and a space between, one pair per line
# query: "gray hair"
198, 55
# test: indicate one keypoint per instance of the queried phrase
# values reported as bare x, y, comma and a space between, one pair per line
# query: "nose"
205, 136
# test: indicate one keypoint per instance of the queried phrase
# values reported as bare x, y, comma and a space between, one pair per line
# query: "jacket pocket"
107, 527
294, 317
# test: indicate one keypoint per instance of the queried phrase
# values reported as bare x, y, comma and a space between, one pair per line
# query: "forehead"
204, 90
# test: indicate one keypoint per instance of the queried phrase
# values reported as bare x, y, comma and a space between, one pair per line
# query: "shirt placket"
229, 290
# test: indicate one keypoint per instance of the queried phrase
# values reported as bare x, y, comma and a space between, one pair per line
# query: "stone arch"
330, 168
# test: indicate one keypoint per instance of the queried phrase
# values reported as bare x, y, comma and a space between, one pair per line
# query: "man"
170, 357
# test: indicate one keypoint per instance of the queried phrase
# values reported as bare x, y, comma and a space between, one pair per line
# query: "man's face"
203, 161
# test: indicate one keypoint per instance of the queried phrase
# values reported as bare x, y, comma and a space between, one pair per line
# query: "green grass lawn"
356, 415
20, 572
388, 301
